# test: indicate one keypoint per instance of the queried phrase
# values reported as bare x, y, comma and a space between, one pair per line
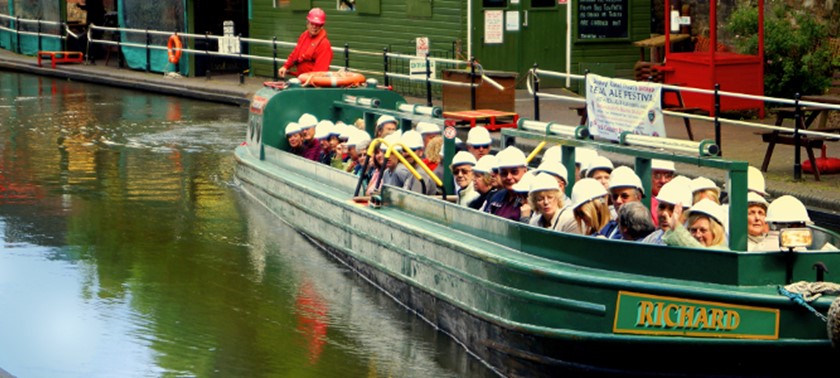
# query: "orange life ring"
173, 48
332, 79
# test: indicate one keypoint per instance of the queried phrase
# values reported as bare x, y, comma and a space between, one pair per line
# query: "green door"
512, 35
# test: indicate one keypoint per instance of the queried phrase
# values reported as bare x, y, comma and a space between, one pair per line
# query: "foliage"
797, 57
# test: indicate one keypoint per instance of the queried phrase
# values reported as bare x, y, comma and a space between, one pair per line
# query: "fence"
798, 111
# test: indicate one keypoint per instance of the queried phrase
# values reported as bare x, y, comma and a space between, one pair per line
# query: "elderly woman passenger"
484, 181
704, 227
294, 136
546, 200
756, 220
511, 166
462, 169
702, 187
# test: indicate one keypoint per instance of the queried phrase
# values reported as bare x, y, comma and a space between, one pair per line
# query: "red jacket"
311, 53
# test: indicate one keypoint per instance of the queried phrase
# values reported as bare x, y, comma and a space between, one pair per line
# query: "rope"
800, 300
813, 290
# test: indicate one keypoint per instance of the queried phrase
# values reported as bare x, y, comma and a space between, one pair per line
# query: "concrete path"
738, 142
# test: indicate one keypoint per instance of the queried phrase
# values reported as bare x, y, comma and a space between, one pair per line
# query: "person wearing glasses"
462, 170
546, 200
625, 186
661, 173
511, 167
704, 227
484, 181
478, 142
313, 51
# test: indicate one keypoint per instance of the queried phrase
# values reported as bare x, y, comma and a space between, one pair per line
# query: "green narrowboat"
533, 302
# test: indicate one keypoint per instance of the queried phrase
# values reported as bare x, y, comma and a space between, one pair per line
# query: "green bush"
796, 57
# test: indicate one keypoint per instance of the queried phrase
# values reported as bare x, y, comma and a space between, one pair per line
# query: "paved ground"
738, 142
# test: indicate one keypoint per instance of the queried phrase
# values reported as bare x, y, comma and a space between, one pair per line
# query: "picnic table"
808, 114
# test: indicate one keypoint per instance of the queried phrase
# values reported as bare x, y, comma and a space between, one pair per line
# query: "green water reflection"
126, 252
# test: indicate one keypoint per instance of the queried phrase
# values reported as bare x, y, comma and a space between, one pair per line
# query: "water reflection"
126, 252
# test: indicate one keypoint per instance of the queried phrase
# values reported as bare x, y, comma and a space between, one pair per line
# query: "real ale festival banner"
614, 106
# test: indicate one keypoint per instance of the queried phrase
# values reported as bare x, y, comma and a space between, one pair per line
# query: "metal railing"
798, 131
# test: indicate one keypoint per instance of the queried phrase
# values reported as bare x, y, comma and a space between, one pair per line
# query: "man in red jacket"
313, 51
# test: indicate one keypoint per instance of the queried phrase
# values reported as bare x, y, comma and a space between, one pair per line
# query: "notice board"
598, 19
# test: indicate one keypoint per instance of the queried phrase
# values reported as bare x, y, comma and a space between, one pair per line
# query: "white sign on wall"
512, 21
417, 68
422, 46
228, 43
494, 26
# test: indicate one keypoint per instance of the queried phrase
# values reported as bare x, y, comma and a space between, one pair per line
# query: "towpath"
738, 142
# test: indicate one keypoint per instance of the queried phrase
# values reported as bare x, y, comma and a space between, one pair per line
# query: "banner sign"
614, 106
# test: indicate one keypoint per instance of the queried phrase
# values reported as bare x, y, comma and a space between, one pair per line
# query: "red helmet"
317, 16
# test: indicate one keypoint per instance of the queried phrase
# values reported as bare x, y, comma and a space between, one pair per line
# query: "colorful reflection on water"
127, 252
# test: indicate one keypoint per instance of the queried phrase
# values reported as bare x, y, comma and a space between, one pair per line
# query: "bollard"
274, 57
797, 119
536, 94
717, 119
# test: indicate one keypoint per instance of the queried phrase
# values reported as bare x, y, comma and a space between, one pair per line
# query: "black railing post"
39, 35
536, 94
148, 52
428, 81
385, 65
717, 119
454, 47
797, 139
17, 34
274, 57
346, 56
472, 83
62, 30
207, 52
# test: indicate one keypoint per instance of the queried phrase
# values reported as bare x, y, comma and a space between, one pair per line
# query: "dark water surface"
127, 252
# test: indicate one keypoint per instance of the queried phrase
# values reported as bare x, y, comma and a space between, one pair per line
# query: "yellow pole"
535, 152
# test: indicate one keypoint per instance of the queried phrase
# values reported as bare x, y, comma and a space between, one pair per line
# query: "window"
494, 3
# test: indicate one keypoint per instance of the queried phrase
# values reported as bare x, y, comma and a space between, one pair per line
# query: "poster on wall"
493, 26
512, 21
618, 105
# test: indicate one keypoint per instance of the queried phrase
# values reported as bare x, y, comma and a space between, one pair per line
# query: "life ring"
833, 323
332, 79
173, 48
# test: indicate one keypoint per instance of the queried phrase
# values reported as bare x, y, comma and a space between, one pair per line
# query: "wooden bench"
809, 142
60, 57
491, 119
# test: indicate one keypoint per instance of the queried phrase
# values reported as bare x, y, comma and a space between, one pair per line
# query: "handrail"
419, 161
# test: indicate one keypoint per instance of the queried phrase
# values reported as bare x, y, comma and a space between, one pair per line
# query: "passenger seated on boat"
783, 213
756, 221
634, 221
311, 144
661, 173
428, 130
704, 227
478, 142
511, 167
412, 139
676, 191
560, 174
462, 170
582, 157
704, 188
625, 187
330, 154
553, 154
600, 168
377, 170
484, 181
295, 138
521, 189
385, 125
433, 153
356, 145
546, 200
396, 174
589, 203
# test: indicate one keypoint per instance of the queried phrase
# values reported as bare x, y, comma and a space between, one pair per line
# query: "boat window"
495, 3
543, 3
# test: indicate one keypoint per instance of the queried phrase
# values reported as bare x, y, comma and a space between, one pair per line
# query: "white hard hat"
427, 128
585, 190
703, 183
383, 119
479, 136
624, 176
486, 164
510, 157
345, 130
307, 120
542, 182
787, 209
292, 128
583, 155
412, 139
662, 165
358, 138
554, 168
323, 129
391, 139
599, 163
463, 157
710, 208
676, 191
755, 181
553, 153
524, 183
755, 198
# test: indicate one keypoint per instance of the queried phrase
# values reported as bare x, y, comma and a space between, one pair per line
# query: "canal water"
127, 252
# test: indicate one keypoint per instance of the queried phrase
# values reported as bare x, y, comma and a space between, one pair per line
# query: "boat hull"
477, 291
